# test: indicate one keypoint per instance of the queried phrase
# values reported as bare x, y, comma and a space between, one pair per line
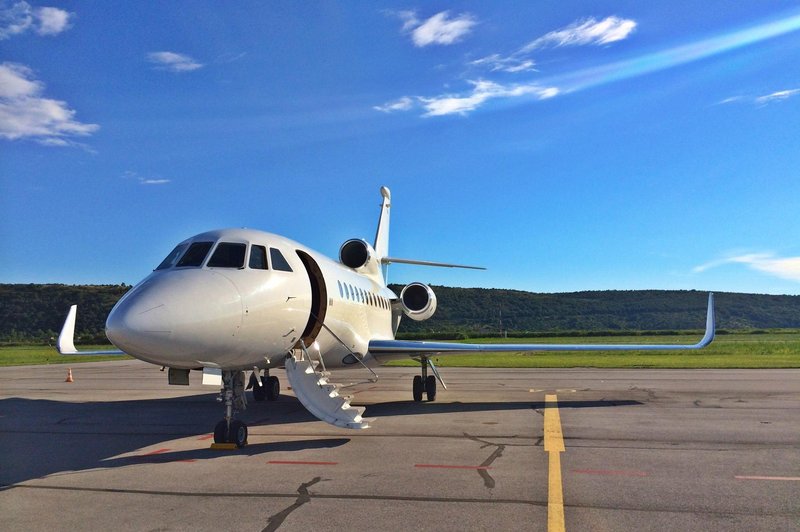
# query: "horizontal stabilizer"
390, 260
66, 340
411, 348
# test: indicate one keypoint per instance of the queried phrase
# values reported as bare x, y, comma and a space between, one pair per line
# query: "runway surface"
642, 450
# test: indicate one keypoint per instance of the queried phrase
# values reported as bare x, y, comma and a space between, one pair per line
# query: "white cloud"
483, 91
582, 32
511, 64
777, 96
401, 104
783, 267
439, 29
174, 62
145, 180
21, 17
52, 20
25, 114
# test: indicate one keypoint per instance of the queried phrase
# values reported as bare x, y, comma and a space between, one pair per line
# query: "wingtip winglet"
710, 323
66, 339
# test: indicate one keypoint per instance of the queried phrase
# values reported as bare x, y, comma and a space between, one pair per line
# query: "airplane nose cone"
139, 321
176, 318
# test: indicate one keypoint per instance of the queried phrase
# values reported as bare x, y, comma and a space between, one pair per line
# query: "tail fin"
381, 245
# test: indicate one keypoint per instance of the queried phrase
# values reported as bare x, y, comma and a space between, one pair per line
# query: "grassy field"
781, 350
36, 354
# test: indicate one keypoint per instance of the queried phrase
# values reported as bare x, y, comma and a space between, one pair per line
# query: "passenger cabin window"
195, 255
172, 258
258, 257
278, 261
228, 255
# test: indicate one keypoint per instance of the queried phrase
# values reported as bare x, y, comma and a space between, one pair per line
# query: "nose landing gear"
231, 430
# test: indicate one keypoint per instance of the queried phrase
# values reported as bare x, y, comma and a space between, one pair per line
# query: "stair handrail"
346, 347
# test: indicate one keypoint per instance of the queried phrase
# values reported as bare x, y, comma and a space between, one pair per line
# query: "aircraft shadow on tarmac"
44, 437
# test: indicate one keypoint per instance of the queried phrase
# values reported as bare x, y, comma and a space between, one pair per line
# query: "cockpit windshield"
195, 255
228, 255
172, 258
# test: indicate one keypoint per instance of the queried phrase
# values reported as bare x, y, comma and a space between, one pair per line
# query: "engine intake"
356, 253
419, 301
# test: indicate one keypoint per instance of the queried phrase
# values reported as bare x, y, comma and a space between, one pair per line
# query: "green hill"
482, 311
34, 313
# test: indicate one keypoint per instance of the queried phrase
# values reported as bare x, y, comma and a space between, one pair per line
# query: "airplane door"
319, 299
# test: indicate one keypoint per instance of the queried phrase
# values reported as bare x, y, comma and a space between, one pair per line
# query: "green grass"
775, 350
36, 354
727, 351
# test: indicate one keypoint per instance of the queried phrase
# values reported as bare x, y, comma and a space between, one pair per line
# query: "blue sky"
563, 145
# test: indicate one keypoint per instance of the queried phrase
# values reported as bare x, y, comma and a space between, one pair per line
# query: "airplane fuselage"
241, 298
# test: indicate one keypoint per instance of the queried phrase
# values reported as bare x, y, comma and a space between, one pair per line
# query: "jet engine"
419, 301
356, 254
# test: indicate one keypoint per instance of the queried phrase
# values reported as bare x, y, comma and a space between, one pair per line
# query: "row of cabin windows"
226, 255
353, 293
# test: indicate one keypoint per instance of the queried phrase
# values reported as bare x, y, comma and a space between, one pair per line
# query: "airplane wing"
66, 340
411, 348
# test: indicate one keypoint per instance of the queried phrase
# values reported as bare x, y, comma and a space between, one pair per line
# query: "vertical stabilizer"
381, 245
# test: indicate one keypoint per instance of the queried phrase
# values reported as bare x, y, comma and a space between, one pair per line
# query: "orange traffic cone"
69, 376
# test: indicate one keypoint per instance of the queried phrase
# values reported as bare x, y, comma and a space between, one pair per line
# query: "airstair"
320, 397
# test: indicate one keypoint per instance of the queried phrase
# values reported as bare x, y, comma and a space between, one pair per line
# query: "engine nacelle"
357, 254
419, 301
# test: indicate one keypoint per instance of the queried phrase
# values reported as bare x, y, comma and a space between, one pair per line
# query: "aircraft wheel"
238, 433
220, 432
430, 387
273, 388
259, 393
418, 388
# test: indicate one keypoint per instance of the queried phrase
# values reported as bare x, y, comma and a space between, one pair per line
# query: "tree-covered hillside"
35, 313
481, 310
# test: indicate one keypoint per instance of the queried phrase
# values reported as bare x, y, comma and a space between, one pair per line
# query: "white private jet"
235, 300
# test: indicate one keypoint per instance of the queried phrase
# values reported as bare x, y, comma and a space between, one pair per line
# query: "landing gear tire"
237, 433
220, 432
430, 387
418, 388
272, 387
259, 393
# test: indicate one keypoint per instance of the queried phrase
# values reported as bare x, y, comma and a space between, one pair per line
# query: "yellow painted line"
554, 446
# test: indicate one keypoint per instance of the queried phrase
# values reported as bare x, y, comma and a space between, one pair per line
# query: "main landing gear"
231, 430
424, 382
269, 389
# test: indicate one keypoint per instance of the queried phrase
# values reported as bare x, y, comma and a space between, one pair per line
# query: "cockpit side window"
278, 261
258, 257
195, 255
172, 258
228, 255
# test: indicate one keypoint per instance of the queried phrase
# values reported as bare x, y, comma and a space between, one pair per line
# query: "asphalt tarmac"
642, 450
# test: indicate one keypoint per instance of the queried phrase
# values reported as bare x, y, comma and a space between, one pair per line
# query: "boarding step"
321, 397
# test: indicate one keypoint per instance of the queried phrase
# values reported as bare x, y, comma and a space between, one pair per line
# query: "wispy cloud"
401, 104
777, 96
441, 28
25, 114
783, 267
20, 17
766, 99
174, 62
511, 64
129, 174
583, 32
